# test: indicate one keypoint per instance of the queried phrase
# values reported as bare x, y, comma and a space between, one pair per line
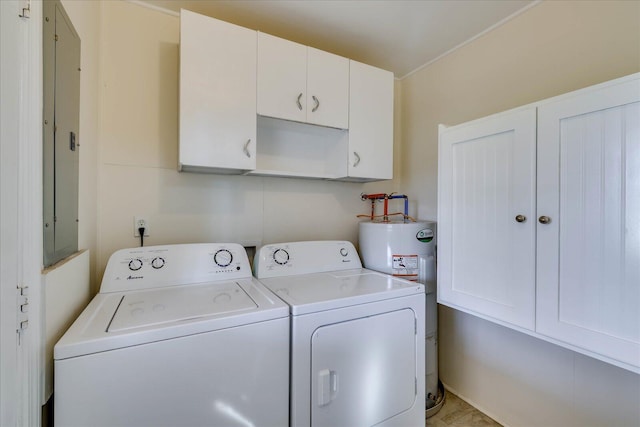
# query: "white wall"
552, 48
137, 161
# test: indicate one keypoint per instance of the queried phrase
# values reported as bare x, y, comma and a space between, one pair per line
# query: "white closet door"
217, 94
371, 92
364, 371
327, 89
589, 253
282, 78
486, 208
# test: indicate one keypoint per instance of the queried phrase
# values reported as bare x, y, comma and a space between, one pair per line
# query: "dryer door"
363, 371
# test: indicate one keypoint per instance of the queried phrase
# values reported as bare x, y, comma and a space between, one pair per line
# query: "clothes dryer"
179, 335
357, 336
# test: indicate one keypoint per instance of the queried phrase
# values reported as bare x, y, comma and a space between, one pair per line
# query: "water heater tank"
403, 249
407, 250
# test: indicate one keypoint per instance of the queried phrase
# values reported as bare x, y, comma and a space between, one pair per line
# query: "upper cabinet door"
327, 89
370, 154
589, 249
282, 78
217, 95
486, 224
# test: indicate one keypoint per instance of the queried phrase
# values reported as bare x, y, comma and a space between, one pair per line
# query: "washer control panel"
284, 259
171, 265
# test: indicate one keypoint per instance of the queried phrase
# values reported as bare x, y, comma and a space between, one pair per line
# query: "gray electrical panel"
61, 73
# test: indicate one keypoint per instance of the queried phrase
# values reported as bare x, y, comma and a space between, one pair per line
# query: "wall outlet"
140, 221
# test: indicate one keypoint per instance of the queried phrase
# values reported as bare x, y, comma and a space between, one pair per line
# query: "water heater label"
405, 266
425, 235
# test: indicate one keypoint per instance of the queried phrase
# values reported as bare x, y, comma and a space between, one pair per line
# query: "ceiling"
400, 36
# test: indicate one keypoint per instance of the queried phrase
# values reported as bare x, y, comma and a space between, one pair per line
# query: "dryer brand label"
405, 266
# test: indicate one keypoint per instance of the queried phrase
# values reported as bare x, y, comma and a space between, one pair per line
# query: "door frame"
21, 211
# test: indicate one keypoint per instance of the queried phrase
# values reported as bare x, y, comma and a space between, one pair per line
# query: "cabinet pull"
544, 220
357, 159
298, 102
246, 148
521, 218
317, 104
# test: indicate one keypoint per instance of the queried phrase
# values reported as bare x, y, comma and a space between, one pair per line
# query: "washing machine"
179, 335
357, 336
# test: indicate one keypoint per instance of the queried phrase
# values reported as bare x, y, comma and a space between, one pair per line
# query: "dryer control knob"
281, 256
223, 258
344, 251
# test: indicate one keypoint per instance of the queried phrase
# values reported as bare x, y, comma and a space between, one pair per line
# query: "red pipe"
373, 198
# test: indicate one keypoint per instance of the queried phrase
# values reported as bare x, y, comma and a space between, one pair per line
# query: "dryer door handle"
327, 386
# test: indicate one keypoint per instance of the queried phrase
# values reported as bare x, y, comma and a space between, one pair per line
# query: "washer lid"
309, 293
155, 307
123, 319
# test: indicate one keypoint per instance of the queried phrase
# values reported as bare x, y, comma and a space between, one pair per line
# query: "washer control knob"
344, 251
281, 256
223, 258
157, 262
135, 264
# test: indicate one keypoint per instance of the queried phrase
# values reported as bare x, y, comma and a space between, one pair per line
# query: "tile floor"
455, 412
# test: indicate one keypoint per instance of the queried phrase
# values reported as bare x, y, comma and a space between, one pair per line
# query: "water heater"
408, 250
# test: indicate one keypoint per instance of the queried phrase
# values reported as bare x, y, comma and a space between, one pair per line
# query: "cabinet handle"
521, 218
246, 148
298, 102
357, 159
544, 220
317, 104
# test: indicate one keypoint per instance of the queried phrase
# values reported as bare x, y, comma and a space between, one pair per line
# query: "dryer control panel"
170, 265
284, 259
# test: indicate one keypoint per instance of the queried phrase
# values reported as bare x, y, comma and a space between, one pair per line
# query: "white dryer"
179, 335
357, 336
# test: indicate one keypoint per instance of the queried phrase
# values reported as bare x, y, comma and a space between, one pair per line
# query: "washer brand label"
134, 277
425, 235
405, 266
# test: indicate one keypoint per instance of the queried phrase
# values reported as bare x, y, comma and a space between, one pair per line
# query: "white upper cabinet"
370, 123
282, 78
255, 104
487, 195
327, 89
589, 250
542, 232
217, 95
303, 84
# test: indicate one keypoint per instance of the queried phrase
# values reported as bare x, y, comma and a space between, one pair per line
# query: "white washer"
179, 335
357, 336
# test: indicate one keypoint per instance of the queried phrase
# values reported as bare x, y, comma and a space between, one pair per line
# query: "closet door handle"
357, 159
317, 104
246, 148
521, 218
298, 102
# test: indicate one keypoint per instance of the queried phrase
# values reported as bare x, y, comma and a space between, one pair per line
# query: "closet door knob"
521, 218
544, 220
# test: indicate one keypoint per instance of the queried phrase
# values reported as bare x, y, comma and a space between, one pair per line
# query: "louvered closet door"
486, 256
589, 252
